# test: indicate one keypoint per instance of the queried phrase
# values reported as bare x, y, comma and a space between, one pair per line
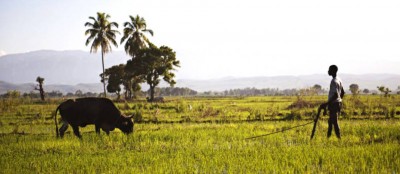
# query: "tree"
78, 93
115, 78
366, 91
12, 94
39, 87
101, 34
398, 90
384, 90
153, 63
136, 40
354, 89
134, 35
317, 88
54, 94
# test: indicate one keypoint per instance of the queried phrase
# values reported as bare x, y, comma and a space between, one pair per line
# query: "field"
207, 135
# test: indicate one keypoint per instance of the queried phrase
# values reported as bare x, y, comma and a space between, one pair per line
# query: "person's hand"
324, 105
325, 112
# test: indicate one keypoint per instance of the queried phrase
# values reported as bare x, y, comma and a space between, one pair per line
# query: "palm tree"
101, 34
134, 35
40, 80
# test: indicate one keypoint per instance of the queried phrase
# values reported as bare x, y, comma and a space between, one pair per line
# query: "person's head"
333, 69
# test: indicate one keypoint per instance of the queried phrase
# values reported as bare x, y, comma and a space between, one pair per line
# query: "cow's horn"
131, 116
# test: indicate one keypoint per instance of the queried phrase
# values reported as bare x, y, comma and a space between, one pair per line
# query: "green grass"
368, 145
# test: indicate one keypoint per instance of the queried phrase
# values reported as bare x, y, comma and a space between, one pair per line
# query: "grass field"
207, 135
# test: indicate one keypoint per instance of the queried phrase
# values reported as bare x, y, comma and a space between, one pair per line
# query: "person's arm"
342, 93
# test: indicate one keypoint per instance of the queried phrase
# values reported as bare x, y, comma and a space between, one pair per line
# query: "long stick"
316, 120
280, 131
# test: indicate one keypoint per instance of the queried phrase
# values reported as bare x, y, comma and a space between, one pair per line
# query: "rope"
280, 131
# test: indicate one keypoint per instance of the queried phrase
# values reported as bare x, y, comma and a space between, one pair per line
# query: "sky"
226, 38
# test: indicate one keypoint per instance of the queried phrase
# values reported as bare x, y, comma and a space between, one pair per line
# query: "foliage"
256, 92
134, 35
101, 34
174, 91
12, 94
153, 63
317, 88
136, 40
354, 89
115, 77
384, 90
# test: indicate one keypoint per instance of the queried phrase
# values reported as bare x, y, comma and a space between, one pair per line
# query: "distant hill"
68, 71
28, 87
57, 67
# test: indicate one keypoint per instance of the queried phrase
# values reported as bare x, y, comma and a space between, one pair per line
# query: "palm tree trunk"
41, 92
102, 77
152, 93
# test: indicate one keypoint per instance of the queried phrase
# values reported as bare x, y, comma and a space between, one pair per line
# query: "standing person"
334, 103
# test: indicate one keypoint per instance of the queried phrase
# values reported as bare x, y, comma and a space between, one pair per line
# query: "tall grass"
367, 147
195, 142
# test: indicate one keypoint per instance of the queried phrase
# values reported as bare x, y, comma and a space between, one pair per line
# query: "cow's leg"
63, 128
76, 131
107, 132
105, 128
97, 127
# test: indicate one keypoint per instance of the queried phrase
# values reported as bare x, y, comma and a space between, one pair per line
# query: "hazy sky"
219, 38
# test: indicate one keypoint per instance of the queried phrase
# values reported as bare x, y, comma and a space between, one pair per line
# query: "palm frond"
88, 24
128, 25
115, 31
149, 31
92, 18
113, 24
101, 33
89, 39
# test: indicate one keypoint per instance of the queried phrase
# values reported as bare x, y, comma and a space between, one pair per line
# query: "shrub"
294, 114
181, 107
137, 116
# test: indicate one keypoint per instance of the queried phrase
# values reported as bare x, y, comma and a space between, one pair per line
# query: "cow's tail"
55, 121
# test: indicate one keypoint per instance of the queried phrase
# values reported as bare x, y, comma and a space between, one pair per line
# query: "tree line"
148, 64
315, 90
184, 91
164, 91
385, 91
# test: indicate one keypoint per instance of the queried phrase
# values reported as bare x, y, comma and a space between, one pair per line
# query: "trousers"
334, 112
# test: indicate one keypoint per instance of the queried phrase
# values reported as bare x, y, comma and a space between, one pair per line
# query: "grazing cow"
98, 111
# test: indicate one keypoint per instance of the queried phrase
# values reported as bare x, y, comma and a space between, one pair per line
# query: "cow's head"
125, 124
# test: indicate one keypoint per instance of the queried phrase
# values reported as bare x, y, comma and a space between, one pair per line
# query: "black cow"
98, 111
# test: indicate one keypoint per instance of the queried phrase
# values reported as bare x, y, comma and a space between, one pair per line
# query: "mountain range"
68, 71
57, 67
